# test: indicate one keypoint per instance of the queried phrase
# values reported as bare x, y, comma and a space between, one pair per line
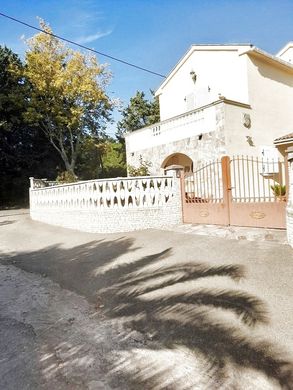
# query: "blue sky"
153, 34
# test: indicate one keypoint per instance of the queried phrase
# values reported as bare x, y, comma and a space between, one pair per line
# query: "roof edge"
254, 51
285, 48
199, 47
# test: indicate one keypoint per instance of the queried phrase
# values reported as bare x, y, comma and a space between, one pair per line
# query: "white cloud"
93, 37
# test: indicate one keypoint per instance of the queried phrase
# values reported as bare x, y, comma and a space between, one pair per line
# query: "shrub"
279, 190
66, 177
142, 170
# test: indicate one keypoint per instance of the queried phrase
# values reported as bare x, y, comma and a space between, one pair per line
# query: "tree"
11, 91
139, 113
68, 97
22, 147
101, 159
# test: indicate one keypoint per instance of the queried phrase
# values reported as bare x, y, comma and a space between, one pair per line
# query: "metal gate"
241, 191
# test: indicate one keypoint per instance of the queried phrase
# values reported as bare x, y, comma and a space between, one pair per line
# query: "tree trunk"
69, 167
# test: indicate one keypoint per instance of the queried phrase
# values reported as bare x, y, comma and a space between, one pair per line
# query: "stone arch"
178, 159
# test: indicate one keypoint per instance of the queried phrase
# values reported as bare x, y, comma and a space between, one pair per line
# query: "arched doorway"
178, 159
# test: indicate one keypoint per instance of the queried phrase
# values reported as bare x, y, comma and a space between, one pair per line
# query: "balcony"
190, 124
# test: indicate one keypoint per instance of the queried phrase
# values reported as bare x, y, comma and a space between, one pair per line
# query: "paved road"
151, 310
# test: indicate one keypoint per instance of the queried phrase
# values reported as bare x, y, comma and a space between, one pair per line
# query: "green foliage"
89, 163
12, 92
68, 96
24, 151
114, 160
101, 159
142, 170
66, 177
279, 190
139, 113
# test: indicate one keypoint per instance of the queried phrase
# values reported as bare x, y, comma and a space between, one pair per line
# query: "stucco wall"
240, 140
270, 97
219, 71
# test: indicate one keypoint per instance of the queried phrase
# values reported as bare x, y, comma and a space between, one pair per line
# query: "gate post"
177, 171
226, 179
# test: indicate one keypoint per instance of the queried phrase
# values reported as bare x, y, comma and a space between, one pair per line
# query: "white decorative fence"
107, 206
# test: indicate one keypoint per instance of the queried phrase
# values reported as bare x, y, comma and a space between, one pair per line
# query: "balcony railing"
189, 124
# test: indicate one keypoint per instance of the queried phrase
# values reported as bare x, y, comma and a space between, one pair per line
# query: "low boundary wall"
108, 206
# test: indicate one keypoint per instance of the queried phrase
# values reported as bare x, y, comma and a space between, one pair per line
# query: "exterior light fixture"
193, 75
246, 120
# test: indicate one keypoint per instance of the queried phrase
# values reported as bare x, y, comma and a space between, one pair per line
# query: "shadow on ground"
190, 331
4, 223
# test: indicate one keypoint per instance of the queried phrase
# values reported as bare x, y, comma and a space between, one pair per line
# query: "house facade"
218, 100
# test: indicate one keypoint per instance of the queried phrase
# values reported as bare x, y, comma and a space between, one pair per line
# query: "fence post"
226, 178
31, 183
290, 197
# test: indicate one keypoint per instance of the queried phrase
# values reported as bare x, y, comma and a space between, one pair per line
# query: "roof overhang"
285, 139
283, 142
268, 58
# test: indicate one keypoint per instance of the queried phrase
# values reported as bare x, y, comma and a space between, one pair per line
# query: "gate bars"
251, 192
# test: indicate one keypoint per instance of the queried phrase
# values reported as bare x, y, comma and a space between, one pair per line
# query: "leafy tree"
24, 151
114, 160
11, 92
101, 159
139, 113
68, 96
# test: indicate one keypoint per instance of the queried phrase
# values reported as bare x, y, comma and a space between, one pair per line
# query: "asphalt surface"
148, 309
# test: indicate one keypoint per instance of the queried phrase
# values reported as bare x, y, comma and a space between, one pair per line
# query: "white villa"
218, 100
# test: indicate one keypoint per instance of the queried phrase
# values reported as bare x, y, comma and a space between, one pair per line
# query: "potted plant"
279, 191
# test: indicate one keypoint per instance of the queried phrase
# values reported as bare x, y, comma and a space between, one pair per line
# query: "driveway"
142, 310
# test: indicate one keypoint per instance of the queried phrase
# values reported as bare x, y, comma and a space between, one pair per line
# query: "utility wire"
82, 46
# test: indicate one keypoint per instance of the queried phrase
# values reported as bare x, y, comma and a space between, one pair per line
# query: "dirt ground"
142, 310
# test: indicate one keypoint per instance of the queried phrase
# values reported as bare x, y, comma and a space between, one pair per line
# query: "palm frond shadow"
149, 301
170, 304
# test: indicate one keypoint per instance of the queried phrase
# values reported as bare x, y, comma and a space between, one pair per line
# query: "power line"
82, 46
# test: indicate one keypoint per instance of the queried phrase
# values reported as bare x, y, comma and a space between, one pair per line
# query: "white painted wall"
219, 70
236, 133
271, 97
185, 126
